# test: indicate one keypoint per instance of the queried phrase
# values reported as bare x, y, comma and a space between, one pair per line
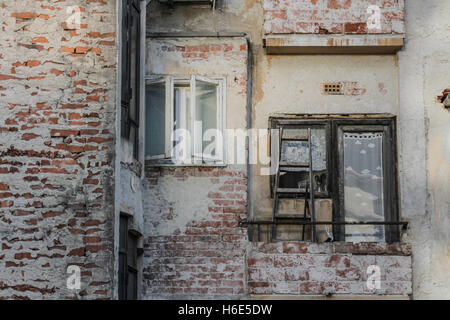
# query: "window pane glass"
363, 185
123, 232
206, 114
182, 116
124, 125
132, 251
132, 286
182, 106
122, 276
297, 151
155, 129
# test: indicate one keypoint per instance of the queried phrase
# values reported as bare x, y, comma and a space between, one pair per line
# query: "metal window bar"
242, 223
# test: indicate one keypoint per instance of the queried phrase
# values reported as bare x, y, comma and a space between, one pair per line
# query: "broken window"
354, 166
185, 120
130, 71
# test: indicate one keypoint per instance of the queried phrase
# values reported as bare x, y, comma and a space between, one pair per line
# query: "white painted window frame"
158, 79
171, 104
198, 158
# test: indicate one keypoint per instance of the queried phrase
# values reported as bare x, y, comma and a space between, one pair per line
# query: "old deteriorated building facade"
101, 197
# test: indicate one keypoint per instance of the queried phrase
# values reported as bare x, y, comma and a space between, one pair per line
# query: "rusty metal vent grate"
332, 88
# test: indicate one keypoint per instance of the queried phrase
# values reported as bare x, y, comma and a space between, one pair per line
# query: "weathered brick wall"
204, 56
331, 16
198, 251
194, 246
57, 101
302, 268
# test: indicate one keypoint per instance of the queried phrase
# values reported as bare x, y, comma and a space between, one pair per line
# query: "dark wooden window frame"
304, 124
127, 93
334, 127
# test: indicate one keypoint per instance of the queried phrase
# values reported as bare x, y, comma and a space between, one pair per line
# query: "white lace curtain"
363, 185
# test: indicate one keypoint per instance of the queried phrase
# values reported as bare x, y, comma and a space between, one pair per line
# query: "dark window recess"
123, 252
128, 254
354, 165
130, 72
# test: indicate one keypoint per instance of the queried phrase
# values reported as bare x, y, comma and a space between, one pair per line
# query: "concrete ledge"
333, 44
301, 270
337, 247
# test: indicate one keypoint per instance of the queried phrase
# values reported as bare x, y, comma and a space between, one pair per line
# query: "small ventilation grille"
332, 88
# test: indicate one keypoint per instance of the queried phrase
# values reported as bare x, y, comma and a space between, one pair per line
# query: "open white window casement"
206, 113
157, 118
180, 105
185, 120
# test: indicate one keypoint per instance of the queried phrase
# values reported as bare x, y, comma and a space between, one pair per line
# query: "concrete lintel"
333, 44
127, 210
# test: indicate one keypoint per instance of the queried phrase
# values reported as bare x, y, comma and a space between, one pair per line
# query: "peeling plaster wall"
425, 148
57, 140
129, 193
193, 246
404, 85
292, 84
287, 83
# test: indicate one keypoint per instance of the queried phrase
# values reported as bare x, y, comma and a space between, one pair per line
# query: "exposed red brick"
63, 133
339, 4
24, 15
39, 40
29, 136
81, 50
67, 49
56, 72
360, 27
77, 252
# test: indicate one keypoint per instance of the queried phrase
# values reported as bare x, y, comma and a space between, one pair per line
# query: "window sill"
333, 44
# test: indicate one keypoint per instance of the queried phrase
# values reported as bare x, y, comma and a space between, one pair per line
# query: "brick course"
204, 256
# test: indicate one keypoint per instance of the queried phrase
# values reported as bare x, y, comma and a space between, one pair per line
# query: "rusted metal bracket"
445, 98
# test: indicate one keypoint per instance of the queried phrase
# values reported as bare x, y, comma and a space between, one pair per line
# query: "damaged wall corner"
445, 98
